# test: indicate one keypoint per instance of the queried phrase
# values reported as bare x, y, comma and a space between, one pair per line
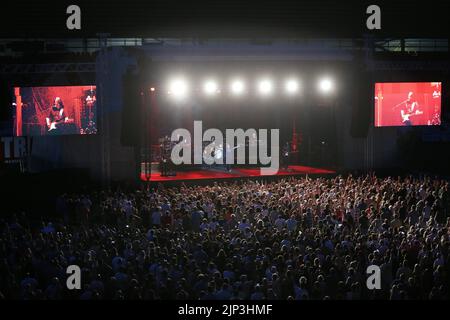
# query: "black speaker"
362, 106
6, 95
131, 111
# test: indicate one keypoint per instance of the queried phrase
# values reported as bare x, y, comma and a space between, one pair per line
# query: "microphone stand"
398, 105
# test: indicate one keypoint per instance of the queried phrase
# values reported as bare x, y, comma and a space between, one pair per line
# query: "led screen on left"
59, 110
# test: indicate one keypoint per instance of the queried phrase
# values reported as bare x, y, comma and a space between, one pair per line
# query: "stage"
213, 174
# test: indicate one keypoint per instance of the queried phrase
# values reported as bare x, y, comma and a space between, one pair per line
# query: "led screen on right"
407, 104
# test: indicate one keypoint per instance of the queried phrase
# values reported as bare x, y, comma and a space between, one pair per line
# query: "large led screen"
408, 104
57, 110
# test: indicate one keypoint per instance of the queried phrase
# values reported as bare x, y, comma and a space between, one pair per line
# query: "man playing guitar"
410, 109
56, 116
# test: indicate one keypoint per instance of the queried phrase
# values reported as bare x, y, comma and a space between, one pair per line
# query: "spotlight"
326, 85
152, 89
291, 86
237, 87
265, 87
210, 87
178, 88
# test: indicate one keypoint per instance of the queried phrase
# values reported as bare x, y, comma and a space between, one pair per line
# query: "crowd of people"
290, 239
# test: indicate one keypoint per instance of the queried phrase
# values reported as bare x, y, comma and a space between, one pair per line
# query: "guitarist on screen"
56, 116
411, 108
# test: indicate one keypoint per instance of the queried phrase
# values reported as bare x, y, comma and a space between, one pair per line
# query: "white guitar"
406, 116
213, 152
54, 125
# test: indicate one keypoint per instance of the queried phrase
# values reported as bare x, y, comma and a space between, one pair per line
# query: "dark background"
224, 18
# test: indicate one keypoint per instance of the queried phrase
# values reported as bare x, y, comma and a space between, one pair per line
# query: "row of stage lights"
179, 88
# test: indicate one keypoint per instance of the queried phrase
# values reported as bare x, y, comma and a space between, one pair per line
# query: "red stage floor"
236, 173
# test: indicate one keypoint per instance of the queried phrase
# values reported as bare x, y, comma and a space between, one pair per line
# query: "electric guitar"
406, 116
213, 152
56, 124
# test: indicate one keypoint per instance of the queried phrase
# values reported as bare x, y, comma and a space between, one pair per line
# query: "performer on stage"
286, 151
88, 123
165, 156
436, 118
90, 101
56, 116
410, 108
226, 155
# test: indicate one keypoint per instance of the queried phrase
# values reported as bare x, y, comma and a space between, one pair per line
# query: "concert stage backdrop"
55, 110
408, 104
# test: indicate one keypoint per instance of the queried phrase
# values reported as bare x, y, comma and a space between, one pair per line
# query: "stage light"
291, 86
152, 89
326, 85
210, 87
265, 87
178, 88
237, 87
